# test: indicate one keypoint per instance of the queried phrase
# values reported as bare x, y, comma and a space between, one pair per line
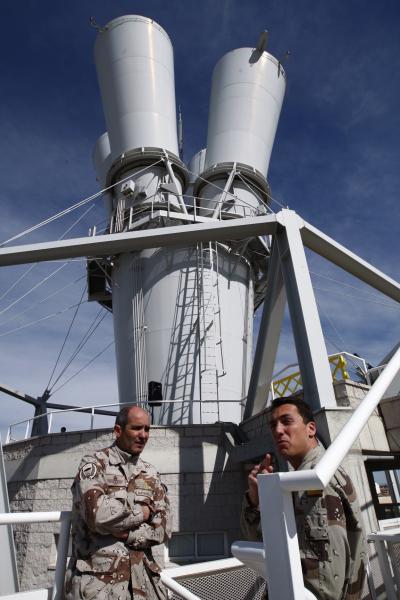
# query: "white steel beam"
8, 564
268, 337
309, 340
116, 243
342, 257
283, 565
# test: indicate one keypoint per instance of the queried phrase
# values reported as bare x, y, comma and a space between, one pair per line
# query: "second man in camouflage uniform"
331, 543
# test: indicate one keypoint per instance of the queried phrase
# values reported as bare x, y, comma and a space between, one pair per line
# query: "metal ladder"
211, 358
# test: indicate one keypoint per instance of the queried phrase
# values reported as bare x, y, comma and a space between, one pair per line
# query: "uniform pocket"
92, 587
142, 496
316, 532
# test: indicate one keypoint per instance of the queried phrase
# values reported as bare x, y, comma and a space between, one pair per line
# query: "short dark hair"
304, 409
122, 417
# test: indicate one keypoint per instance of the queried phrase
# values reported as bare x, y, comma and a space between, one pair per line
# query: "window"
384, 481
198, 546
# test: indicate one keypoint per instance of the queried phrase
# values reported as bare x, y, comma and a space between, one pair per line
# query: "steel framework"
289, 280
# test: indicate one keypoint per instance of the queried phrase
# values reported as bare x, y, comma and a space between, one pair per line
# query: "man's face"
133, 437
293, 438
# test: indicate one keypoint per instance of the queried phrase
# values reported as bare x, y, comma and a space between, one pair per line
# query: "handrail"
295, 376
279, 533
93, 409
390, 535
64, 517
379, 538
168, 576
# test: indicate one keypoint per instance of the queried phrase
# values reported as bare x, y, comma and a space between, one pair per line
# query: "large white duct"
182, 316
196, 165
185, 321
102, 160
246, 99
135, 69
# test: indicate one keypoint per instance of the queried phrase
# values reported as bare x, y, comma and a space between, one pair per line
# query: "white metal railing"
169, 576
27, 423
64, 517
352, 365
152, 205
390, 572
279, 534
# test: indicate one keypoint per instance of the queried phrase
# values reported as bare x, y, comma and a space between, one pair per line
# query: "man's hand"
265, 466
123, 535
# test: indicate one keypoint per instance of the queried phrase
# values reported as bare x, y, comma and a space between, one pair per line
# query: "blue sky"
335, 160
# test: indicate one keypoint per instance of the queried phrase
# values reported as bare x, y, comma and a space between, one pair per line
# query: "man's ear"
311, 429
117, 431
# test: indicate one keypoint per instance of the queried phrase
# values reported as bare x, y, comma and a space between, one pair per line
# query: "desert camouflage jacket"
108, 492
331, 541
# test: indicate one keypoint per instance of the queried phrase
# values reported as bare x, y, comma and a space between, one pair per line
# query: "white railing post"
92, 419
62, 554
27, 429
50, 422
57, 591
279, 531
382, 539
384, 565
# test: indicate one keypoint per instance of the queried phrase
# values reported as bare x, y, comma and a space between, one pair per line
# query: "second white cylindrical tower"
246, 99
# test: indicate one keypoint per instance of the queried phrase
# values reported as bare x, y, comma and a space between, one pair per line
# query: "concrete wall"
205, 486
390, 409
204, 468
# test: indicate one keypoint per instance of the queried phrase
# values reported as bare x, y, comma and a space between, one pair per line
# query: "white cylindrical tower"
102, 161
135, 68
246, 99
102, 158
182, 316
196, 167
247, 92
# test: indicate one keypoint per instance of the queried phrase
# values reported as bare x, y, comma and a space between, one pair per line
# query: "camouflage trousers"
86, 586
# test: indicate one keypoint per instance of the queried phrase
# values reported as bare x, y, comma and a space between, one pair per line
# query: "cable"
60, 312
265, 193
66, 336
353, 287
258, 189
327, 317
92, 328
32, 289
35, 264
74, 206
386, 304
89, 332
18, 280
84, 367
41, 301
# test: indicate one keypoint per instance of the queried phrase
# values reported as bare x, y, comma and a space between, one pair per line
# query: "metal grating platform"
240, 583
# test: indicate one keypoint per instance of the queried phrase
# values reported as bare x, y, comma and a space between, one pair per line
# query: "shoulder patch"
88, 471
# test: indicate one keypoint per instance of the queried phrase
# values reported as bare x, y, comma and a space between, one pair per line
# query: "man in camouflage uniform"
331, 542
120, 510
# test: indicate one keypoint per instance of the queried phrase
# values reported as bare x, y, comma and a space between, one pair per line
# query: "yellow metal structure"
292, 383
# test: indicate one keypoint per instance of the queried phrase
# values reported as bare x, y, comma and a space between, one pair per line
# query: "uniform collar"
311, 458
118, 457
